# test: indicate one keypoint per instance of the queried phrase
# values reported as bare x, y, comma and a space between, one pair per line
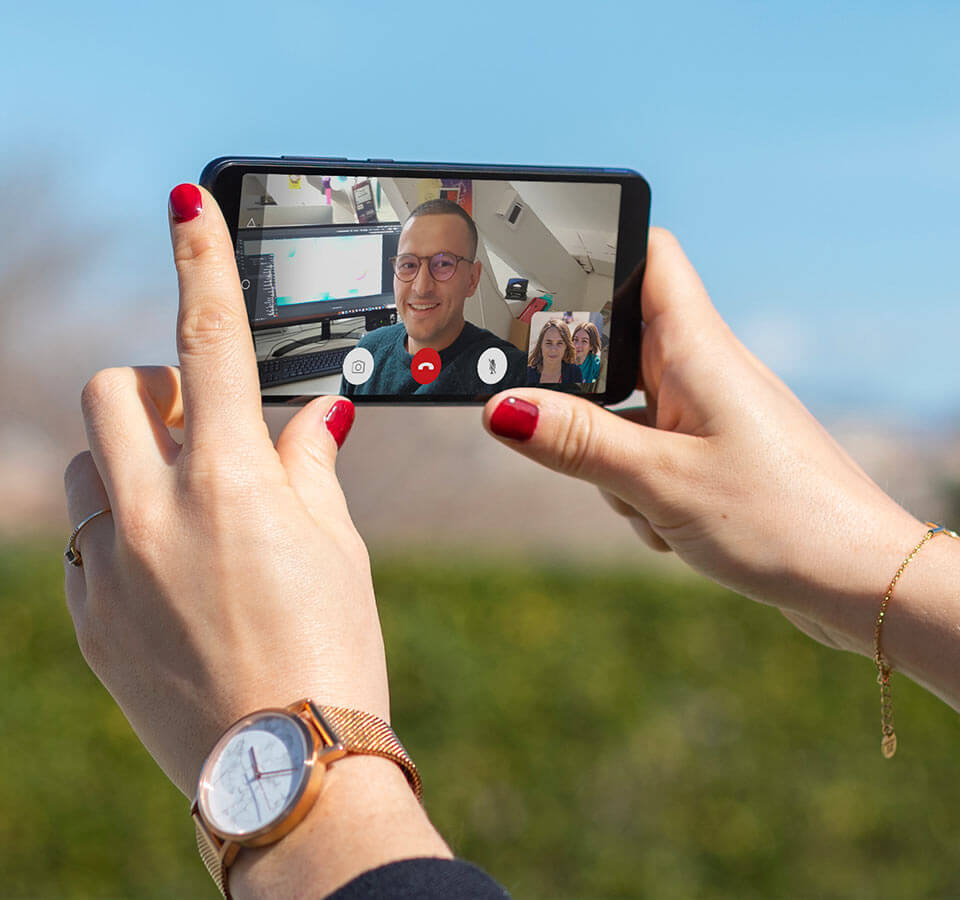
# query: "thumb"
644, 466
307, 448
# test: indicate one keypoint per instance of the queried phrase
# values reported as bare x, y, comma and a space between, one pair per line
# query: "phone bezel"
223, 178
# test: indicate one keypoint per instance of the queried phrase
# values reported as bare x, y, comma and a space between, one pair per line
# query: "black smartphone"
409, 282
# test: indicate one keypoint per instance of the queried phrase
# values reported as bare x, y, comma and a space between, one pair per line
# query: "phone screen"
445, 288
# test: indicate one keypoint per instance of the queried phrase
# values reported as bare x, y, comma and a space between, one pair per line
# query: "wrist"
842, 578
365, 816
919, 635
920, 638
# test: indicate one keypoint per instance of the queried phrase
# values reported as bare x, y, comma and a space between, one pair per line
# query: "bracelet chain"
888, 737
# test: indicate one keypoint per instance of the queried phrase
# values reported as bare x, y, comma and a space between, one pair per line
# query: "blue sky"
805, 154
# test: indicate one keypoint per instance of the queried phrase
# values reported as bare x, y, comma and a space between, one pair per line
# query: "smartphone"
412, 282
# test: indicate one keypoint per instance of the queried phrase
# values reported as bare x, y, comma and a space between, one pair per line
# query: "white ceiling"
582, 216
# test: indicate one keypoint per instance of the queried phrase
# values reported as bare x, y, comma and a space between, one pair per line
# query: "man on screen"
435, 271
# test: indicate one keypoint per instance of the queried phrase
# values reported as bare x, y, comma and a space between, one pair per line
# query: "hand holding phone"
221, 549
727, 468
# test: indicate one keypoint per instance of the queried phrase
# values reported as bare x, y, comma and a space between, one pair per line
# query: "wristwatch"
265, 773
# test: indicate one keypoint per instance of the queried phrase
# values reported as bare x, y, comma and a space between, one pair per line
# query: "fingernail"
515, 418
339, 420
186, 202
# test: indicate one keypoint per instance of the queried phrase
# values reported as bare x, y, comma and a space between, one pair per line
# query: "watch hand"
253, 794
253, 758
279, 771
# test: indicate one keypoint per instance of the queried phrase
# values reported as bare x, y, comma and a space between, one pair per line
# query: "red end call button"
425, 366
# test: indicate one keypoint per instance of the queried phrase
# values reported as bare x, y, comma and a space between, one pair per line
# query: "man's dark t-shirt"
458, 365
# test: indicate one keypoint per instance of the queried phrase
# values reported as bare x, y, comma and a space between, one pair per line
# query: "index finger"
218, 367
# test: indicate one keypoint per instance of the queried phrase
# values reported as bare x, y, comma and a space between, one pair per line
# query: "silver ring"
72, 553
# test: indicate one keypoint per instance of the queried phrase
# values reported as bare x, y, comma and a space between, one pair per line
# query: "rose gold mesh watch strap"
210, 854
359, 732
362, 732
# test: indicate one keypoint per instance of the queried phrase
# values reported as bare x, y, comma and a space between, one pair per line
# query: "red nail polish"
515, 418
186, 202
339, 420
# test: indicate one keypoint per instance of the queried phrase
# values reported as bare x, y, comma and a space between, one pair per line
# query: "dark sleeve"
516, 368
571, 374
422, 879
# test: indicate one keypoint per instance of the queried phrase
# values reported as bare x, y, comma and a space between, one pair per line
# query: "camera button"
358, 365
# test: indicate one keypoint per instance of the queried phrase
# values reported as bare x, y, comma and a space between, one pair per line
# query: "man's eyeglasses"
441, 265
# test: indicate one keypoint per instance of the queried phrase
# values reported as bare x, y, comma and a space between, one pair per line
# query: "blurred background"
592, 720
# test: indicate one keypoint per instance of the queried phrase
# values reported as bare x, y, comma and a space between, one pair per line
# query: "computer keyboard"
301, 366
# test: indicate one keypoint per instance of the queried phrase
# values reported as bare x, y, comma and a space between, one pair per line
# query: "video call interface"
447, 286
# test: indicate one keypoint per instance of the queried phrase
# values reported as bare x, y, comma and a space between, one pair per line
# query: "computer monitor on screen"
297, 275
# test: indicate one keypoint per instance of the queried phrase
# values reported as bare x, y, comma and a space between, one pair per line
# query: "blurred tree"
51, 337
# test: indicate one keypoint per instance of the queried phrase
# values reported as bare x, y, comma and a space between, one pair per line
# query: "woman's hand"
229, 576
725, 466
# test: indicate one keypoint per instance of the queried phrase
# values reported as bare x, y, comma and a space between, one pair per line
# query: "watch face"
255, 774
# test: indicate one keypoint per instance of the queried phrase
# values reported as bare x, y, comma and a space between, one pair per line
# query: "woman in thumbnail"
552, 361
586, 345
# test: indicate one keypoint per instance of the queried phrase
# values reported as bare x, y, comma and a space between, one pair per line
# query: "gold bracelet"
888, 738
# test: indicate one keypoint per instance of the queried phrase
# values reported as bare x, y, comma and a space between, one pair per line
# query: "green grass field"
581, 735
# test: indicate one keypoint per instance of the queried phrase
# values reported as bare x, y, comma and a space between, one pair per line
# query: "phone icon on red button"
425, 366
